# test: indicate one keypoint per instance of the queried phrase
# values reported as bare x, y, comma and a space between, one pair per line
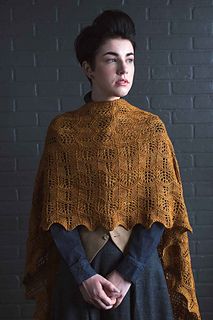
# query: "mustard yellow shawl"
109, 164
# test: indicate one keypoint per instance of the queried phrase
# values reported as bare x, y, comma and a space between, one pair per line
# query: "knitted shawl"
108, 164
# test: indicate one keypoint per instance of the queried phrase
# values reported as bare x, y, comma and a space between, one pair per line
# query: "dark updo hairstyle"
108, 25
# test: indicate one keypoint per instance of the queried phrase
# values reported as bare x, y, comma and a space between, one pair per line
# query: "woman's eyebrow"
116, 54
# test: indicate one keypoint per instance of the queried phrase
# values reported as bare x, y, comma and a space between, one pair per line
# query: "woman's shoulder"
149, 119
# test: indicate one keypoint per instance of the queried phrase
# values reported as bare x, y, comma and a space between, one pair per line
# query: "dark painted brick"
203, 42
35, 74
193, 116
200, 203
34, 13
12, 119
16, 207
16, 29
203, 101
31, 134
36, 104
5, 43
193, 145
203, 232
6, 134
23, 225
71, 103
16, 59
207, 315
65, 88
204, 217
16, 179
152, 87
191, 58
17, 89
198, 174
174, 102
7, 164
205, 247
169, 13
12, 295
191, 28
4, 13
205, 290
207, 303
202, 262
27, 310
45, 30
18, 149
204, 131
191, 3
192, 87
55, 59
165, 116
8, 194
6, 104
10, 311
153, 57
78, 12
154, 27
203, 72
180, 131
25, 193
203, 13
5, 74
204, 188
66, 73
142, 72
45, 118
188, 189
27, 163
204, 160
206, 276
171, 72
151, 3
29, 43
185, 160
9, 282
9, 223
9, 253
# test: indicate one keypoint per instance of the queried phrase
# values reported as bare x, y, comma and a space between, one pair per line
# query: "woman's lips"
122, 82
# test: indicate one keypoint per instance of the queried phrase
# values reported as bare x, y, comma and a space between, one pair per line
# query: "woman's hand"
94, 291
123, 285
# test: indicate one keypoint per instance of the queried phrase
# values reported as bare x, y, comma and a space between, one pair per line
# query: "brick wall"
39, 77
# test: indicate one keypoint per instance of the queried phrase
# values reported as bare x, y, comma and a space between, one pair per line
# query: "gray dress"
147, 299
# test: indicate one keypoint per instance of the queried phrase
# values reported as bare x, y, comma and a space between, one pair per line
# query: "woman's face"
113, 74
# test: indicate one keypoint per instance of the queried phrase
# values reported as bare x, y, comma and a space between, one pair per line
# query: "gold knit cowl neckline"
107, 122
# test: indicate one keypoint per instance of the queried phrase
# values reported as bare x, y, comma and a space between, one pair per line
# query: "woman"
108, 228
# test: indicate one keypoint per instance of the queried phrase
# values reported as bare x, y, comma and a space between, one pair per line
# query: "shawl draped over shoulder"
109, 164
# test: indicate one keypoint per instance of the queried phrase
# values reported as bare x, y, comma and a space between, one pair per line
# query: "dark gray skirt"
147, 300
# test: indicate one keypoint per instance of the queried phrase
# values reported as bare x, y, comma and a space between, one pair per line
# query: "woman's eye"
111, 60
130, 60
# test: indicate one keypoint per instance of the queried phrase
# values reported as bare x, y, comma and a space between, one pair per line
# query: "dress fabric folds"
148, 299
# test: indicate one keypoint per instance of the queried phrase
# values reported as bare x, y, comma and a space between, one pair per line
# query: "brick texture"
39, 78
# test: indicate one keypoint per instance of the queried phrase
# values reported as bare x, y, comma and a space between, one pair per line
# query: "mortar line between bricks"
34, 29
11, 14
147, 14
56, 14
11, 45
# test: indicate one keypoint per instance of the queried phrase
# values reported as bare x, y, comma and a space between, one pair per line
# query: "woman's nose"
122, 68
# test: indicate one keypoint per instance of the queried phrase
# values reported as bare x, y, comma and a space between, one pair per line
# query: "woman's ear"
87, 70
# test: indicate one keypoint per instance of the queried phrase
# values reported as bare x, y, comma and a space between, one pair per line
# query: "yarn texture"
108, 164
